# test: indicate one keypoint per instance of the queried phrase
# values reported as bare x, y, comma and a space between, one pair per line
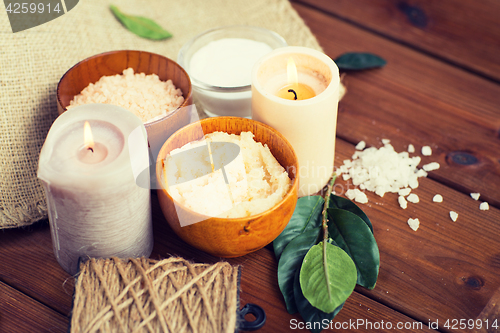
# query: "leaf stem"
325, 207
325, 231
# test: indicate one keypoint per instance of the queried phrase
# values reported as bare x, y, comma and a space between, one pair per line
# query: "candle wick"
91, 149
294, 93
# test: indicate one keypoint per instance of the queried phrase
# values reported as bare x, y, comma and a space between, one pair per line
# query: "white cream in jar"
226, 63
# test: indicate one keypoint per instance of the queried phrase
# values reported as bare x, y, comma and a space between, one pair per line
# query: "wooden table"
440, 87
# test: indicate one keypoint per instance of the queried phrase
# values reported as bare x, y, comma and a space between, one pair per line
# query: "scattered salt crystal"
350, 194
346, 176
414, 224
426, 151
411, 148
402, 202
404, 191
475, 196
437, 198
484, 206
361, 145
360, 196
386, 141
431, 166
453, 216
413, 183
413, 198
421, 173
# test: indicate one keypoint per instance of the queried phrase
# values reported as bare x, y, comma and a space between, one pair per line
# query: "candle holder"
96, 209
309, 124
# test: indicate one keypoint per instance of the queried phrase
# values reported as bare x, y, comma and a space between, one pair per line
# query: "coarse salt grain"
484, 206
413, 198
146, 96
453, 216
386, 141
350, 194
360, 196
402, 202
426, 151
356, 195
414, 223
475, 196
437, 198
404, 191
411, 148
431, 166
382, 170
361, 145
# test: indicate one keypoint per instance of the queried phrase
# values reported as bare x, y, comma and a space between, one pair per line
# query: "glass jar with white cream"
219, 63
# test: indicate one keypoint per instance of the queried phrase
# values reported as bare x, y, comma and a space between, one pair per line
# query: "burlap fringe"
144, 295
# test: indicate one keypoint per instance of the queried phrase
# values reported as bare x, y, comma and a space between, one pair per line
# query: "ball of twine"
144, 295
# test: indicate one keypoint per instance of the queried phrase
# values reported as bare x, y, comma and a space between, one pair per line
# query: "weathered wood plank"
20, 313
466, 33
258, 283
419, 100
445, 269
27, 263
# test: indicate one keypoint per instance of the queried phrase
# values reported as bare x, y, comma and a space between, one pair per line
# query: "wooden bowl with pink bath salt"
92, 69
229, 236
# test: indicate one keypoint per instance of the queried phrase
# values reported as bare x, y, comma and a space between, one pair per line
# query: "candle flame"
291, 71
88, 140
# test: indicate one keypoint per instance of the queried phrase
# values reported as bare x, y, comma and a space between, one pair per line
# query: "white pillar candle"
96, 209
309, 124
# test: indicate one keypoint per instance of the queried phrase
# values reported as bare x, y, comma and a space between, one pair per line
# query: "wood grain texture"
419, 100
259, 283
28, 263
20, 313
445, 269
465, 33
236, 236
490, 316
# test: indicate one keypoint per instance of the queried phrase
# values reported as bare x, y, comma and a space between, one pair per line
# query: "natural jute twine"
33, 61
143, 295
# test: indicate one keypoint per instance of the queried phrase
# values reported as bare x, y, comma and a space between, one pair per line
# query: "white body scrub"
256, 180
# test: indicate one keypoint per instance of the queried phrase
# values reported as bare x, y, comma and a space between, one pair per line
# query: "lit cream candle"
308, 122
89, 165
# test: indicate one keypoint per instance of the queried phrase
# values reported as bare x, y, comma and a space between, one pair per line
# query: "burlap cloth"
33, 61
143, 295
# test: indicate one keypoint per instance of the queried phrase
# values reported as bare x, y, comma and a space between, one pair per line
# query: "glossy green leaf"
290, 262
359, 61
306, 216
354, 236
346, 204
141, 26
327, 276
314, 318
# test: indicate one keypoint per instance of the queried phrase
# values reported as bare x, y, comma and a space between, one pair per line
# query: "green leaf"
309, 313
290, 261
346, 204
141, 26
354, 236
327, 277
359, 61
306, 216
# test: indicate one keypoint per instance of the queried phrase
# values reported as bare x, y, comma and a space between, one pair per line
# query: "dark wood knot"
473, 282
462, 158
415, 14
